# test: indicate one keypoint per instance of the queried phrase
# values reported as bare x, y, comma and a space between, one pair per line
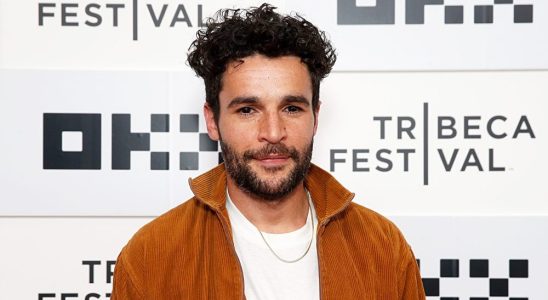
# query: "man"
266, 224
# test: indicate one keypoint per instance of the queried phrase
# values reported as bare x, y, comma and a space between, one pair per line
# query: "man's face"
266, 124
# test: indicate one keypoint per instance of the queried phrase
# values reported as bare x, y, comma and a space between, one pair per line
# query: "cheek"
301, 132
236, 133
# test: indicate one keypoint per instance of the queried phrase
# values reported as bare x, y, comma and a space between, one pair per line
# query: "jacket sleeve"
124, 284
410, 282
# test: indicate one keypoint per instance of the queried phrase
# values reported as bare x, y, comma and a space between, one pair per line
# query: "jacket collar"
328, 195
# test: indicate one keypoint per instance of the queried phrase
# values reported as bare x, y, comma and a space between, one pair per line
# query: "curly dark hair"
233, 34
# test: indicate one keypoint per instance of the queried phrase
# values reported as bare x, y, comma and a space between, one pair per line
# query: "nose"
272, 128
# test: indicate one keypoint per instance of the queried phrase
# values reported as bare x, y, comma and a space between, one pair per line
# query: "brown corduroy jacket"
188, 253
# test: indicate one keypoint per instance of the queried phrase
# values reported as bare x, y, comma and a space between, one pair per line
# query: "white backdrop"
459, 165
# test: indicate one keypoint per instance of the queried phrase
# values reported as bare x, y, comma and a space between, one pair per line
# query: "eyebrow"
242, 100
296, 99
253, 100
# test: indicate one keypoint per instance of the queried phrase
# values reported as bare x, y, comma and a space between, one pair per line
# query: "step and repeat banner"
434, 116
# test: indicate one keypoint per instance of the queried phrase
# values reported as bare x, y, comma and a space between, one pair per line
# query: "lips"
272, 161
271, 157
272, 153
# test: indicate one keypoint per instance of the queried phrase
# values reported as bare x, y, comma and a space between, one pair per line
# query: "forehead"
259, 61
263, 77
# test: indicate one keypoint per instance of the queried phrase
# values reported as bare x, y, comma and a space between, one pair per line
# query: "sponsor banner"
103, 34
61, 258
464, 257
125, 143
438, 143
101, 143
434, 34
479, 257
368, 34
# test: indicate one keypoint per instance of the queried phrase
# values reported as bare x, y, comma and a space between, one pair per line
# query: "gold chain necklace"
289, 261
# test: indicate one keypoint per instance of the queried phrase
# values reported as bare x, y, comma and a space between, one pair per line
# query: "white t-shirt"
265, 276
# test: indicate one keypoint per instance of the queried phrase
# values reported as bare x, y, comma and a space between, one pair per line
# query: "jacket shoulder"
175, 222
368, 218
374, 245
168, 239
368, 226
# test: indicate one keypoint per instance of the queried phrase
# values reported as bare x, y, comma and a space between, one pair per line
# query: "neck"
272, 216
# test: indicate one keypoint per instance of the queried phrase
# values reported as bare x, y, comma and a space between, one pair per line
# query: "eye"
292, 109
246, 110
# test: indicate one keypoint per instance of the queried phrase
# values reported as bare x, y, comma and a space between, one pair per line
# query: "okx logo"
73, 141
445, 281
384, 11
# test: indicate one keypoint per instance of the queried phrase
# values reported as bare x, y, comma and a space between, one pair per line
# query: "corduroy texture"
188, 253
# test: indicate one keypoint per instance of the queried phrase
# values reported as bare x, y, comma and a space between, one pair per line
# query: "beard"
239, 169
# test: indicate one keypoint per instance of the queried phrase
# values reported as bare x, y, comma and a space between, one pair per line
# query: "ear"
317, 116
212, 129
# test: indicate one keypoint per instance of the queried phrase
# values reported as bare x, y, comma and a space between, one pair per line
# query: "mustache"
271, 149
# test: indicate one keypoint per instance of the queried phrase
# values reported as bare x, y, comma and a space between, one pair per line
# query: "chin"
274, 169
